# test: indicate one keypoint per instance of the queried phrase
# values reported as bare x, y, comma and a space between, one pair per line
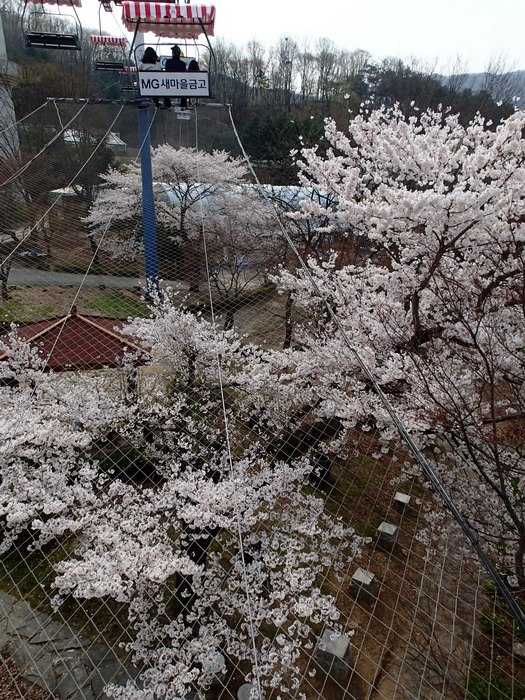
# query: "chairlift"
106, 40
128, 79
160, 83
31, 19
182, 23
107, 4
168, 19
112, 41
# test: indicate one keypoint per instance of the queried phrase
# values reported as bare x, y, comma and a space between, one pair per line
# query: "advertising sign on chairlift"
164, 84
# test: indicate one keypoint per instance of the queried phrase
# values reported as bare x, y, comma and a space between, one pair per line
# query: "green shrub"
481, 686
489, 623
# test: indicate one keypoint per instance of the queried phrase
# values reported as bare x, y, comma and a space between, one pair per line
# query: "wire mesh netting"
203, 494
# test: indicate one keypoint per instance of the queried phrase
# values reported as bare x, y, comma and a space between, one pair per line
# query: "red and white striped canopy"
168, 19
64, 3
103, 40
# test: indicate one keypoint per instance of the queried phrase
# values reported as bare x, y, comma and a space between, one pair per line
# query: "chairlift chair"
51, 40
128, 79
112, 41
106, 4
176, 22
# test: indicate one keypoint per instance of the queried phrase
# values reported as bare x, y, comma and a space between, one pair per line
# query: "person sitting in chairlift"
192, 67
175, 64
150, 61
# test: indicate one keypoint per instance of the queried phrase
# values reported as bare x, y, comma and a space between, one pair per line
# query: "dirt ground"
12, 685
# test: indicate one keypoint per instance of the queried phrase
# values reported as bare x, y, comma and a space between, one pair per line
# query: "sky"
436, 33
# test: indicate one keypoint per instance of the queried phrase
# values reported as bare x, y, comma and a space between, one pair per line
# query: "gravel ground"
13, 687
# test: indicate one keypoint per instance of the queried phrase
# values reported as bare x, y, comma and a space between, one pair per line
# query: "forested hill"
501, 86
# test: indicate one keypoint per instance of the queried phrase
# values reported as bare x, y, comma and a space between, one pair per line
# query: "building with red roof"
80, 342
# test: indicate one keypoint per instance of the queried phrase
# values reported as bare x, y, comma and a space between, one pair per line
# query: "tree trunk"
288, 323
518, 563
294, 443
5, 269
94, 249
228, 319
195, 543
192, 358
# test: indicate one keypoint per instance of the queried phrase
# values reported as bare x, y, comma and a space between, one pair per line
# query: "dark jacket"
175, 65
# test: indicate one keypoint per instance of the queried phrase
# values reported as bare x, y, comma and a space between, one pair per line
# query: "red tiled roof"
77, 341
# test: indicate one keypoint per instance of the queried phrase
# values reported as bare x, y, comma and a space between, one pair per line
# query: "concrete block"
364, 584
387, 535
244, 691
518, 649
215, 665
401, 500
334, 654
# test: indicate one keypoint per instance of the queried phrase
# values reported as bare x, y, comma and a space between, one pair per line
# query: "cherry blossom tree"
305, 213
241, 243
436, 312
185, 180
207, 428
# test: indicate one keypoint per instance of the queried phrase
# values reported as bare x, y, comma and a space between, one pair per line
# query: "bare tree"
283, 68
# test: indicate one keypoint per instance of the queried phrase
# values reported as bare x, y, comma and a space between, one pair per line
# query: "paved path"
31, 277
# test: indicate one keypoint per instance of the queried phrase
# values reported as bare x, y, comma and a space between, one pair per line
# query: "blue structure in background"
149, 225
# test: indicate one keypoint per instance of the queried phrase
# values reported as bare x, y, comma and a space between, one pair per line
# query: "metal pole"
149, 226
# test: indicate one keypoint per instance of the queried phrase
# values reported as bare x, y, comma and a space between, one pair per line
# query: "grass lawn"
28, 304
